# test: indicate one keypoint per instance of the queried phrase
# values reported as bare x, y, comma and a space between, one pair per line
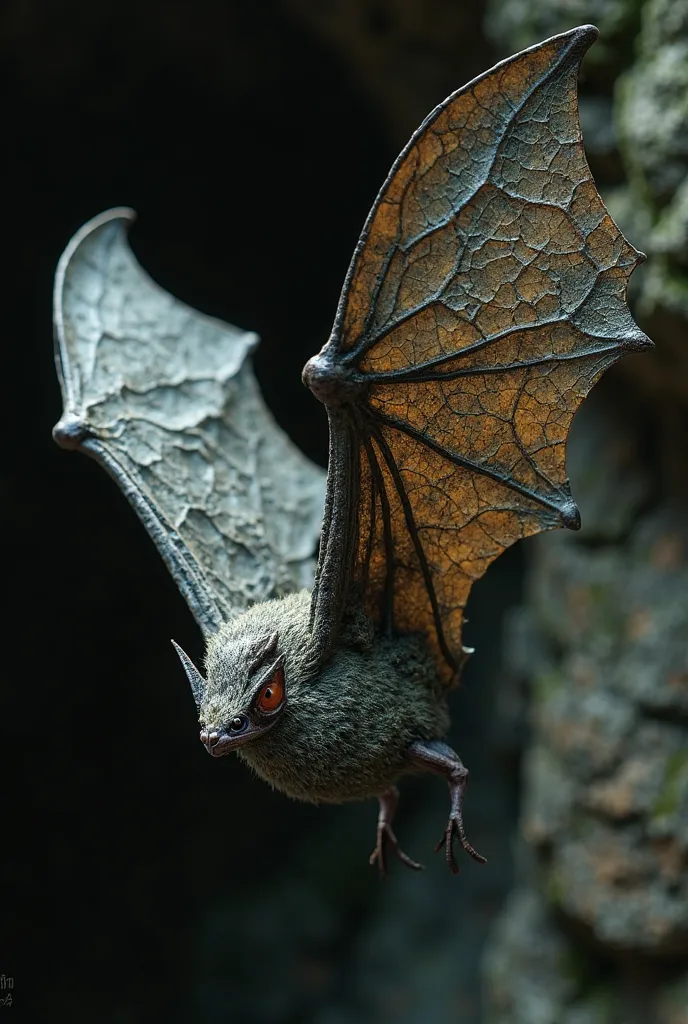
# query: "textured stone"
652, 125
606, 787
535, 972
534, 975
653, 101
605, 780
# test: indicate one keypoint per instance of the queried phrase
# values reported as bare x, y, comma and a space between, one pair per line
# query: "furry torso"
344, 736
345, 730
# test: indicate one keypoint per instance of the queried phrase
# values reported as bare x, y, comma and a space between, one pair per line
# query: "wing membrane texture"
486, 297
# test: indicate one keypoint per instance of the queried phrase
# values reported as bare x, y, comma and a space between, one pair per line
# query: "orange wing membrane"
486, 296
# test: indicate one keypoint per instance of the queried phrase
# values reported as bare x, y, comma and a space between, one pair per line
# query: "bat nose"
210, 738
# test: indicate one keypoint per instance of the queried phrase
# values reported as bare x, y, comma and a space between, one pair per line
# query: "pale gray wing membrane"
166, 400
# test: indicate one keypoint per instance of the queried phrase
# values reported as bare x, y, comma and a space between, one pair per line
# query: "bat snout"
216, 741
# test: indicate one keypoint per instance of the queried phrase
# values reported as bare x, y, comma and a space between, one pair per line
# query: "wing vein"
464, 463
365, 343
413, 376
416, 541
390, 566
370, 542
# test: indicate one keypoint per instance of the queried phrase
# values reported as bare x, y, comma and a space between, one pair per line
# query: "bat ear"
192, 674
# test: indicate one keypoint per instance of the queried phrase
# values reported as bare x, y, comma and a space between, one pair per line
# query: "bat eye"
272, 694
238, 724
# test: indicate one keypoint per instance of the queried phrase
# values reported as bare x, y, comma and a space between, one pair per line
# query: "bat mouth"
219, 742
221, 749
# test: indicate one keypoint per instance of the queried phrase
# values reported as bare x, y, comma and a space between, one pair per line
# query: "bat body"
361, 738
486, 296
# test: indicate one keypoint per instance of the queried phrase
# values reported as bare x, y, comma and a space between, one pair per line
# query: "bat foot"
436, 757
386, 837
454, 830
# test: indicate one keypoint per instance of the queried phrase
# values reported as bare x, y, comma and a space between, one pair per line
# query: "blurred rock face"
606, 778
597, 930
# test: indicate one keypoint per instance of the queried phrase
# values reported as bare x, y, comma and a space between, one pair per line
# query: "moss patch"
674, 786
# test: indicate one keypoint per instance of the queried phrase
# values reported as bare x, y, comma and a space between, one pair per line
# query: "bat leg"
438, 758
389, 801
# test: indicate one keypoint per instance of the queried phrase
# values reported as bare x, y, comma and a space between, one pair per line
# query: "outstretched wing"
486, 296
165, 399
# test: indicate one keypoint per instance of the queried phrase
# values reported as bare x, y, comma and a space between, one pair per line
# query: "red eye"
272, 694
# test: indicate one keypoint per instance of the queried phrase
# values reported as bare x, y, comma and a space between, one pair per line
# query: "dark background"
141, 881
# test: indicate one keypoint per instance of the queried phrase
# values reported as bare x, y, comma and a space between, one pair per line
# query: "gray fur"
345, 728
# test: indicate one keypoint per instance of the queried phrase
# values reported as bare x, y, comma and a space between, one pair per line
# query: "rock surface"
597, 929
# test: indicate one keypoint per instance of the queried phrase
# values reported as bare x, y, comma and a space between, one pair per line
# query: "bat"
485, 297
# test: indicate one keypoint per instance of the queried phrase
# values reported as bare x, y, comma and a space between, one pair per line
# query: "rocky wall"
596, 674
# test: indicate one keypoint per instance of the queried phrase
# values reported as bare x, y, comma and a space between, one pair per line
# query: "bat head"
250, 665
244, 694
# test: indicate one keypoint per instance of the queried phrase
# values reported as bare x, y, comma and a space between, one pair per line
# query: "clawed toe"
435, 756
388, 805
455, 828
385, 834
385, 837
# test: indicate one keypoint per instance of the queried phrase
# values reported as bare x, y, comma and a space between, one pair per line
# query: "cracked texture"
166, 399
485, 298
606, 778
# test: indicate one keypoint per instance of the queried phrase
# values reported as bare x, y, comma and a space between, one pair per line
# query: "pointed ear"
192, 674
